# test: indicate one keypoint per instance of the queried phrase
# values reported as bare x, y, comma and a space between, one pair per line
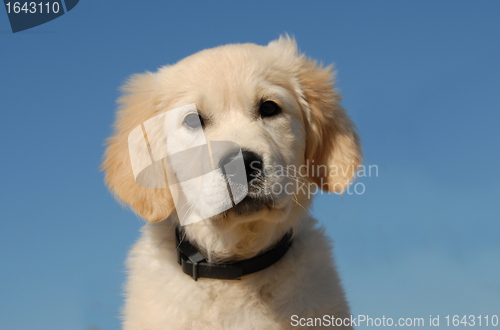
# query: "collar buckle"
196, 259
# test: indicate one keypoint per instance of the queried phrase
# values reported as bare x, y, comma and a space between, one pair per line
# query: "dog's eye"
193, 120
269, 108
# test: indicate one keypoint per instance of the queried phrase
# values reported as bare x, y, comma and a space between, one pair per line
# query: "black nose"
253, 164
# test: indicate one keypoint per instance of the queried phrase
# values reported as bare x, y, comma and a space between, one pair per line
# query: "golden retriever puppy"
256, 260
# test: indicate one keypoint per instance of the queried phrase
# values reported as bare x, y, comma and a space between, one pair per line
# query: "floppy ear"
332, 144
136, 106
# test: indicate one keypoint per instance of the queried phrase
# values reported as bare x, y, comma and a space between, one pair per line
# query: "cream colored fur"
226, 83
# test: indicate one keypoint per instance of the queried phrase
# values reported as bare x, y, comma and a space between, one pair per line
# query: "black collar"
195, 264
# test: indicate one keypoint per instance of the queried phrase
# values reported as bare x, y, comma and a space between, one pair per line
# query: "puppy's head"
277, 105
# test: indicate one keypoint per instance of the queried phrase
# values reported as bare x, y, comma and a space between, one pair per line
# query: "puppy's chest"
234, 304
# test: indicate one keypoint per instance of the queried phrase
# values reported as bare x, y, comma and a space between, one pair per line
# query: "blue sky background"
421, 80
